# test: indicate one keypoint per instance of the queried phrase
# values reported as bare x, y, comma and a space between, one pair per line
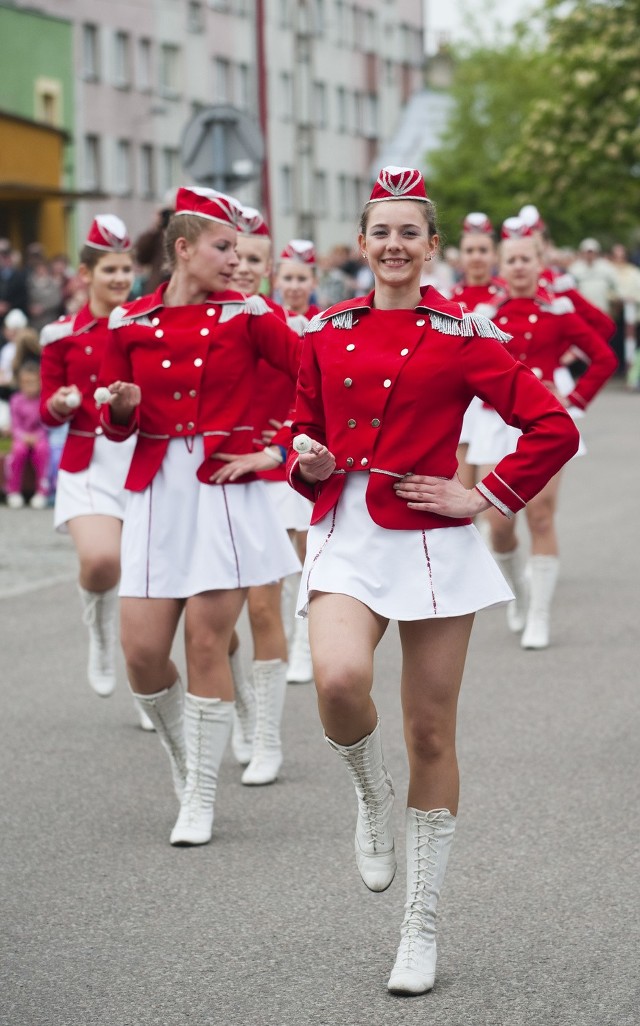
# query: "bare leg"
265, 617
210, 619
148, 629
97, 541
540, 513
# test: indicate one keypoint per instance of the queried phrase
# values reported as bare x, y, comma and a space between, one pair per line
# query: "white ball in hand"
73, 400
538, 372
102, 395
302, 443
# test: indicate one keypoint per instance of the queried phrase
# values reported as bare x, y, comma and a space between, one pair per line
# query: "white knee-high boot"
542, 584
207, 726
374, 845
429, 838
244, 716
100, 614
270, 686
165, 710
300, 670
512, 568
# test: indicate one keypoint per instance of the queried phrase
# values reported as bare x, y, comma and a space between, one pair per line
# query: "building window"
195, 16
121, 61
285, 14
144, 70
220, 5
170, 70
123, 167
243, 86
221, 80
170, 168
370, 32
358, 113
48, 101
320, 113
344, 211
147, 172
370, 115
90, 59
320, 193
92, 163
286, 190
286, 96
319, 17
342, 109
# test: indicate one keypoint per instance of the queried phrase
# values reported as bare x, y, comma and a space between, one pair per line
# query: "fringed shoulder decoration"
120, 317
561, 305
339, 320
254, 305
298, 323
562, 283
472, 324
54, 332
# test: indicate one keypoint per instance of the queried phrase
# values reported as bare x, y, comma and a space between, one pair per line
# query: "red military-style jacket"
564, 285
72, 351
470, 296
386, 391
196, 368
542, 331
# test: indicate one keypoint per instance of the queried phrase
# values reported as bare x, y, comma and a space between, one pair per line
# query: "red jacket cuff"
500, 495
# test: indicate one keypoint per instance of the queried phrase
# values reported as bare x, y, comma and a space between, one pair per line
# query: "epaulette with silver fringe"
298, 323
339, 320
560, 305
254, 305
121, 317
472, 324
55, 331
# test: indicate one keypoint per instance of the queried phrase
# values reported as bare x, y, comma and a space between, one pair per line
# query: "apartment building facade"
325, 83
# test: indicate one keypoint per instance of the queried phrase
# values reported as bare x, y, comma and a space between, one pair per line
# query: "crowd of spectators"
36, 289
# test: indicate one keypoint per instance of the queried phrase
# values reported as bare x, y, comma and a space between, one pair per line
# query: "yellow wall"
30, 174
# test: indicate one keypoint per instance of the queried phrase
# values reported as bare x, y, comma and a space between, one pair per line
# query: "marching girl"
383, 477
256, 735
478, 260
199, 531
90, 495
543, 329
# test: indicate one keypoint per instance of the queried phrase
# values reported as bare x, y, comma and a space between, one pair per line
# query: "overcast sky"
447, 17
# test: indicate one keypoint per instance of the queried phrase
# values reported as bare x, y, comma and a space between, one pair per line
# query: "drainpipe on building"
263, 108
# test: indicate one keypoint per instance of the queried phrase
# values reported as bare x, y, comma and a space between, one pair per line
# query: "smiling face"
477, 258
295, 282
397, 242
520, 265
109, 282
254, 263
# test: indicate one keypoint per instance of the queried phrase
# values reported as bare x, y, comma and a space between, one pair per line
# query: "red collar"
431, 300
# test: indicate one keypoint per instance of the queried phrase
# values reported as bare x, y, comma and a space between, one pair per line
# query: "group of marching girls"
186, 400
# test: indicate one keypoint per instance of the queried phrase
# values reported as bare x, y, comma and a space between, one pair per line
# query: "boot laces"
419, 919
373, 800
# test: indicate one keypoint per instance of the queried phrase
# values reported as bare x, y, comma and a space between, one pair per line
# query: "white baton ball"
102, 395
302, 443
72, 400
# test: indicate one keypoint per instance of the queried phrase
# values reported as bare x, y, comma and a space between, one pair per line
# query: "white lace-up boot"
207, 726
244, 716
270, 686
143, 719
542, 584
300, 670
375, 852
429, 837
165, 711
100, 616
512, 568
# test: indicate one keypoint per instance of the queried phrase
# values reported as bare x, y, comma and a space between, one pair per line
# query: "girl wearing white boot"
90, 496
383, 386
543, 329
199, 530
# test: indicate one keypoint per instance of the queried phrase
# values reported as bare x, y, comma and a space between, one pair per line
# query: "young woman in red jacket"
384, 382
90, 497
543, 329
179, 372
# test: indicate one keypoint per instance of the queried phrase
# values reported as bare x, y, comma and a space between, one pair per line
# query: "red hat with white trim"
531, 216
301, 250
251, 222
515, 228
208, 203
109, 233
477, 222
399, 183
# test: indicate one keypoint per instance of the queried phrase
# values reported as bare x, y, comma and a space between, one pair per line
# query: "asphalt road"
104, 924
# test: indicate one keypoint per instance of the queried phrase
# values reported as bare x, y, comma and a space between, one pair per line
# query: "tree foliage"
551, 119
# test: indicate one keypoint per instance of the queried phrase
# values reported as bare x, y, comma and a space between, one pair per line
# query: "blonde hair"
186, 226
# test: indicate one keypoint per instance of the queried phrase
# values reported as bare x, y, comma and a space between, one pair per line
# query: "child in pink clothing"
29, 440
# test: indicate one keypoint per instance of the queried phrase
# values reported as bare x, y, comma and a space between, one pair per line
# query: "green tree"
580, 147
495, 89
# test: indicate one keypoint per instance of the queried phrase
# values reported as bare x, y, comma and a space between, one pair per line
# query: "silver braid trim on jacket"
470, 325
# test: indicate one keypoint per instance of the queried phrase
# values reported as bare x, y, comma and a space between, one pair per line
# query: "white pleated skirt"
292, 508
401, 575
182, 537
466, 434
97, 490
